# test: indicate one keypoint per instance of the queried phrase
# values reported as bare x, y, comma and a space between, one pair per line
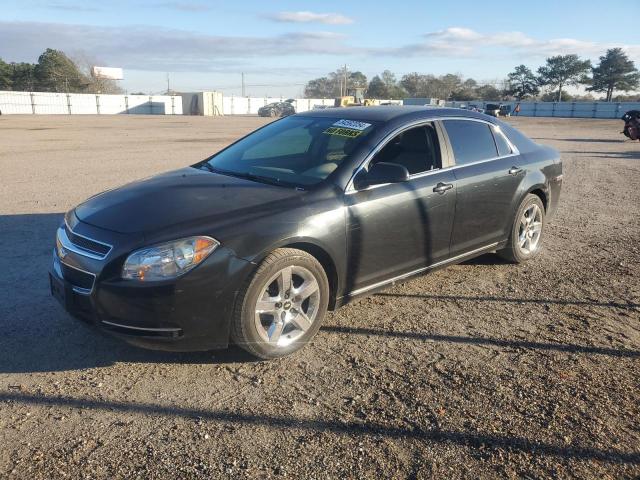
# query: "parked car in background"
632, 124
254, 244
505, 110
492, 109
277, 109
497, 110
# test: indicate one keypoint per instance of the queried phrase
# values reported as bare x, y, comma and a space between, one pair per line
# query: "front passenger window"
416, 149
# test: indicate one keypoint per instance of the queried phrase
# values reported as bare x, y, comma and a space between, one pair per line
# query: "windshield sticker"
343, 132
352, 124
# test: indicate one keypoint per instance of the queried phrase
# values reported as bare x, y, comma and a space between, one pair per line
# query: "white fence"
88, 104
75, 103
250, 105
562, 109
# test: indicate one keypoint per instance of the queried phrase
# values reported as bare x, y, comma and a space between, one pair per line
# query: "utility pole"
345, 79
168, 85
243, 92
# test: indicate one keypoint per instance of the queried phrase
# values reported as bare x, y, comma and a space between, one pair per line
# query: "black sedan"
277, 109
254, 244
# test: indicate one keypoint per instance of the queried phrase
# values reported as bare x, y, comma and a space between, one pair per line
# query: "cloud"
164, 49
464, 42
72, 7
185, 6
156, 48
310, 17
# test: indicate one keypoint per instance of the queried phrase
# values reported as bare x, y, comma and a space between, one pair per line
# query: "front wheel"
525, 239
282, 306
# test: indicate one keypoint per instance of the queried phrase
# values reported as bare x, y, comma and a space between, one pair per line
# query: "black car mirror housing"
381, 173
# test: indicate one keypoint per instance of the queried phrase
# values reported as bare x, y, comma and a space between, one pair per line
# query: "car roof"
389, 113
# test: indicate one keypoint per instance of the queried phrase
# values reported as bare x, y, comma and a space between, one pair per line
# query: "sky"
280, 44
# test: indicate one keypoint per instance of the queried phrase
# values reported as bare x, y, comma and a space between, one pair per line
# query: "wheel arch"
327, 263
542, 194
317, 251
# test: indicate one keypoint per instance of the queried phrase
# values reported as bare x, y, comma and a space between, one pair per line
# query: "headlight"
168, 260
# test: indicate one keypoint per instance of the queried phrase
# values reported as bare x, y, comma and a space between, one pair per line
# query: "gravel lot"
481, 370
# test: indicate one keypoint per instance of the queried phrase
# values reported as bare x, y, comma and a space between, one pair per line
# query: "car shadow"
483, 341
486, 259
615, 155
38, 335
583, 140
475, 440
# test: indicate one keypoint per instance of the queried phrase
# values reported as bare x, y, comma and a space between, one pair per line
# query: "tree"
357, 79
23, 77
627, 98
488, 92
450, 83
322, 87
389, 79
614, 72
5, 75
522, 83
563, 70
552, 96
55, 72
93, 84
411, 82
466, 91
377, 88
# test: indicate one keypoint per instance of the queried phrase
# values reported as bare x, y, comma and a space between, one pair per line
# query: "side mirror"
379, 174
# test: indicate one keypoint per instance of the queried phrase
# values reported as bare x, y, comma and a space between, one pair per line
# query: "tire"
273, 113
518, 248
271, 320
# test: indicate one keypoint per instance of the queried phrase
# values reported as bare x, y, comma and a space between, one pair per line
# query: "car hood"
178, 197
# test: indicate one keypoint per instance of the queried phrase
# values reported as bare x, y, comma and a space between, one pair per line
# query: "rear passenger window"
471, 141
501, 143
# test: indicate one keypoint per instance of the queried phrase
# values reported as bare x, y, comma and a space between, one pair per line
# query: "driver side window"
416, 149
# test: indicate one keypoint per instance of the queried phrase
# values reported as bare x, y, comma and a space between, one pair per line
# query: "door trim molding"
422, 269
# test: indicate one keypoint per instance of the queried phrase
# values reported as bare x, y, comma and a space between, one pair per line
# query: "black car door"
397, 228
487, 182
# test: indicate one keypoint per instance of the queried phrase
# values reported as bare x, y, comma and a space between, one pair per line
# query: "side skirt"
379, 286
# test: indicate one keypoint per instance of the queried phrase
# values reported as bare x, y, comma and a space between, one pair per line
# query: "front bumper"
190, 313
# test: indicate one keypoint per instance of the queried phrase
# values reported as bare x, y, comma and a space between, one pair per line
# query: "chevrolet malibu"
254, 244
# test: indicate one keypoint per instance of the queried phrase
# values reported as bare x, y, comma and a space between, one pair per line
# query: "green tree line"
54, 72
615, 72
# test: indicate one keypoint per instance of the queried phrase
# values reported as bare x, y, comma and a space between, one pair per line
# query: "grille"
78, 278
87, 244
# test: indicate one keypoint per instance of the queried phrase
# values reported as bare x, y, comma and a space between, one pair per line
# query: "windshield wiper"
262, 179
250, 176
208, 167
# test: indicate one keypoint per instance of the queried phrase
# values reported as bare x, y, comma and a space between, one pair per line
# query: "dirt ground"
481, 370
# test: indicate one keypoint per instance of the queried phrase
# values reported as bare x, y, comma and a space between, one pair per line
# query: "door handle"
442, 187
514, 170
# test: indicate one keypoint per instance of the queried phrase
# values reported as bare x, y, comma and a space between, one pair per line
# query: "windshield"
295, 151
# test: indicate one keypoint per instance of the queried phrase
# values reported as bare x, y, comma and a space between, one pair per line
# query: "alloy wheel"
530, 229
287, 306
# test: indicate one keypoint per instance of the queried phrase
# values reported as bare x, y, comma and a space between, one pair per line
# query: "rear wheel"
525, 239
282, 306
